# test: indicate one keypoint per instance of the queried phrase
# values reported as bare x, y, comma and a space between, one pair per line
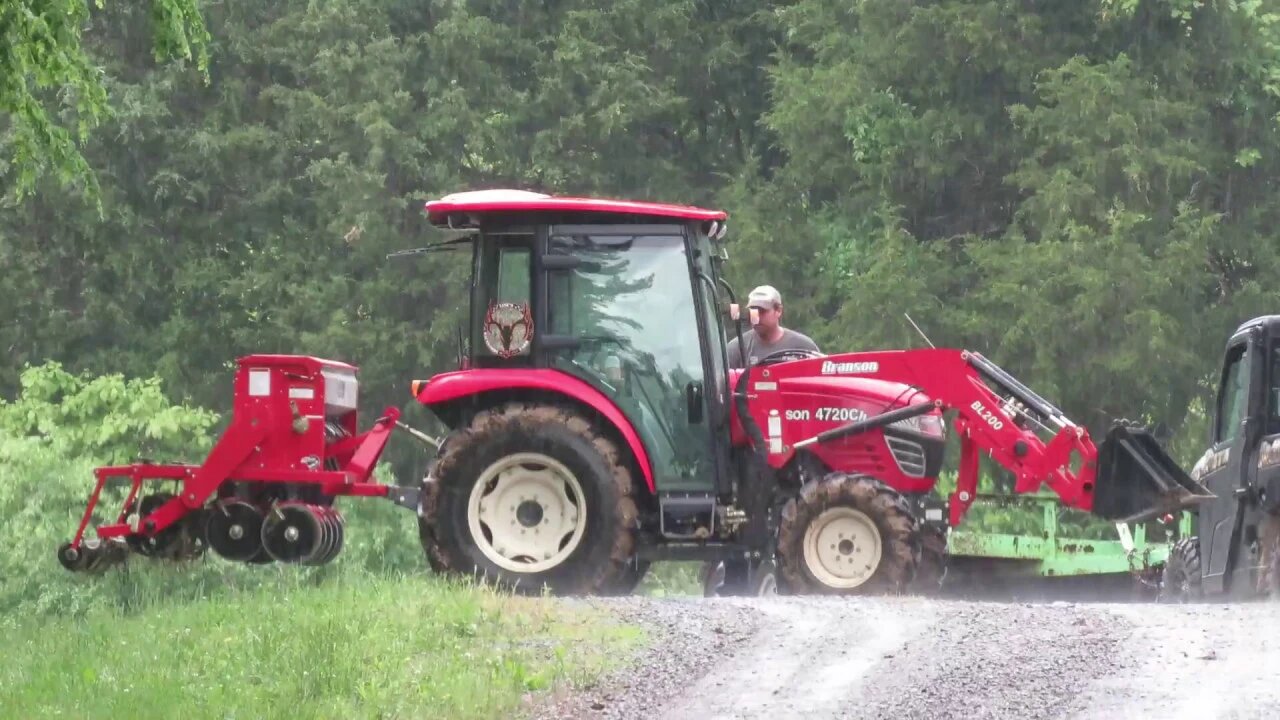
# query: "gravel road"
912, 657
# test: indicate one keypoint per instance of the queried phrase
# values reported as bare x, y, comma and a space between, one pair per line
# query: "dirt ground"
1023, 657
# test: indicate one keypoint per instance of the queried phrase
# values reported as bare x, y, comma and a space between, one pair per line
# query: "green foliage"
40, 49
51, 438
1076, 190
106, 419
1020, 514
672, 579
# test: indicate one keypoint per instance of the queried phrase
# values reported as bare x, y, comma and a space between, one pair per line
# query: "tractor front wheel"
730, 578
1180, 580
847, 535
532, 497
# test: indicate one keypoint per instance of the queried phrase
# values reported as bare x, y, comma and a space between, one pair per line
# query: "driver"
768, 336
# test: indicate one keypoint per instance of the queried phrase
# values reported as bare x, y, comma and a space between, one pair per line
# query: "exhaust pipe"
1137, 480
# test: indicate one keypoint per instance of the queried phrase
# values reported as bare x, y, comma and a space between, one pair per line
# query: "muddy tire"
1268, 580
628, 580
427, 510
733, 578
531, 497
933, 562
711, 577
1180, 581
847, 535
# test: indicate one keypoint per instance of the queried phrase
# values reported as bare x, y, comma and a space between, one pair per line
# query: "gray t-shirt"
758, 349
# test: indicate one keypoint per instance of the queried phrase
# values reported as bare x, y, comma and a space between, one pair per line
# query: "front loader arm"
1129, 478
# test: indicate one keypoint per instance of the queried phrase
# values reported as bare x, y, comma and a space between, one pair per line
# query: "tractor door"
1235, 429
715, 351
622, 314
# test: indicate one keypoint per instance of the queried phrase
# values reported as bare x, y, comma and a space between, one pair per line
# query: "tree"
1078, 190
40, 50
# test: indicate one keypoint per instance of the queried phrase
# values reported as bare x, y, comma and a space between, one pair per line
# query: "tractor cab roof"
465, 209
1269, 324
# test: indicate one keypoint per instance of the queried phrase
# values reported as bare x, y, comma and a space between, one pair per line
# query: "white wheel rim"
526, 513
842, 548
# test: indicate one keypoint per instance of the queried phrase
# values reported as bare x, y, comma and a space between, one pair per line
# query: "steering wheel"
779, 356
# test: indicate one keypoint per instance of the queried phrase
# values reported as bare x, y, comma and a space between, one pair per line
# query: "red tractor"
595, 427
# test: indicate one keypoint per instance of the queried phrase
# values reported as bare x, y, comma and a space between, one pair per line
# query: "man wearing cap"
768, 336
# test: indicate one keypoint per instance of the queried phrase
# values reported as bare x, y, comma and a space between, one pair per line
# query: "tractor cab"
1236, 544
620, 296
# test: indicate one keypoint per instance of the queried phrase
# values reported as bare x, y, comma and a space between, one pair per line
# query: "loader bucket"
1137, 480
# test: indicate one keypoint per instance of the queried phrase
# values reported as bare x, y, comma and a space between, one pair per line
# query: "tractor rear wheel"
532, 497
1180, 581
847, 535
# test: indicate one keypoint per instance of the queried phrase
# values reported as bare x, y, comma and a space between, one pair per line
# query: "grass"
672, 579
357, 647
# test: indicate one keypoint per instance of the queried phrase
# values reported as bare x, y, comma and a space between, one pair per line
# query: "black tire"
600, 561
764, 581
712, 578
428, 508
890, 516
1180, 580
734, 578
1269, 579
428, 505
933, 561
628, 580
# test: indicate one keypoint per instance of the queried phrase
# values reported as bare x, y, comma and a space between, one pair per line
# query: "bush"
104, 420
1022, 514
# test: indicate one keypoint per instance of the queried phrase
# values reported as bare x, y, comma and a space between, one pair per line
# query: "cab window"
1232, 396
504, 275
